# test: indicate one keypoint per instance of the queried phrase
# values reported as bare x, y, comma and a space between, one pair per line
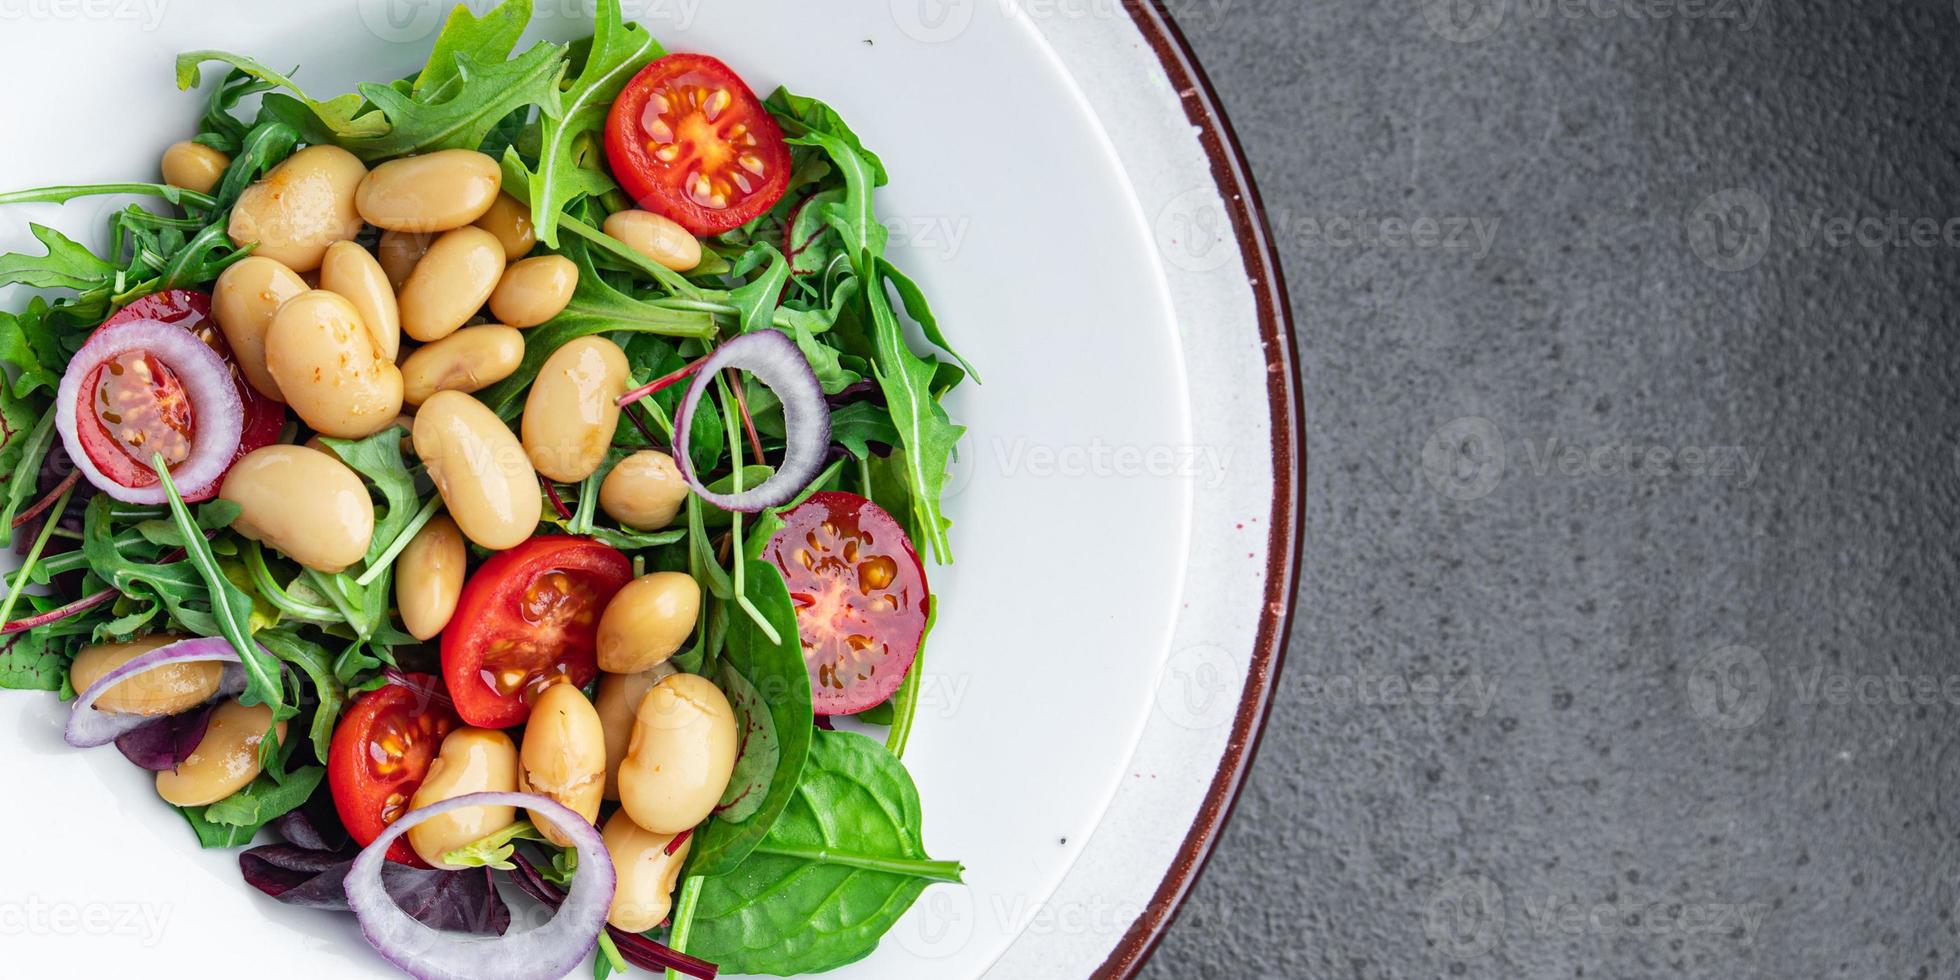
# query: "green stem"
659, 415
588, 503
328, 588
944, 871
905, 706
674, 281
684, 919
401, 542
279, 597
611, 954
739, 560
493, 851
33, 555
67, 192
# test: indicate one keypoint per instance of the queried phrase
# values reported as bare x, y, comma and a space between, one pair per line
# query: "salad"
502, 475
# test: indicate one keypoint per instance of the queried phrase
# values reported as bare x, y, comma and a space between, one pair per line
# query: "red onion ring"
89, 727
549, 951
215, 405
774, 360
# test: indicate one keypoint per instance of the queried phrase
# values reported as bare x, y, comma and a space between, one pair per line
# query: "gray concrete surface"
1655, 484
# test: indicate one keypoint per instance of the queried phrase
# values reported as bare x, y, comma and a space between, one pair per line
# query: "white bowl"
1126, 506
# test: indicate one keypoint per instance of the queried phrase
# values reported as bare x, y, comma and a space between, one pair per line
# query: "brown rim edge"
1248, 216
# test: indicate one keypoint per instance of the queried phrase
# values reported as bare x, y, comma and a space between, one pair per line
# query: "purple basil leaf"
456, 901
166, 742
299, 828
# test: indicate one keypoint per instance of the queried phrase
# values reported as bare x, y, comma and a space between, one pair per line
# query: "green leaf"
769, 686
231, 607
489, 38
834, 874
324, 122
377, 458
29, 663
21, 453
314, 662
495, 850
860, 423
28, 344
920, 311
617, 52
802, 116
265, 799
460, 115
66, 266
756, 300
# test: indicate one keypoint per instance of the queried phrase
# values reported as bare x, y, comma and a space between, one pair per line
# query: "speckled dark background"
1658, 490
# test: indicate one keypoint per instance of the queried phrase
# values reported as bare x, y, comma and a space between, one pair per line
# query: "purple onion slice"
89, 727
217, 411
774, 360
545, 953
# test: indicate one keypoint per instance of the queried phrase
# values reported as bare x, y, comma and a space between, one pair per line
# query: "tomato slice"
526, 620
860, 594
139, 401
380, 754
689, 140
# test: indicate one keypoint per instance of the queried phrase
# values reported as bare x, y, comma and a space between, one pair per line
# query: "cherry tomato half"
155, 410
860, 594
380, 754
689, 140
526, 620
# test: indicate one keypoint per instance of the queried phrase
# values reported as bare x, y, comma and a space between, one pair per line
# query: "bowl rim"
1247, 214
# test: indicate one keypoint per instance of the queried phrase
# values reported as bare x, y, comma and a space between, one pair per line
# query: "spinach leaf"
617, 52
485, 39
834, 874
28, 662
769, 687
236, 819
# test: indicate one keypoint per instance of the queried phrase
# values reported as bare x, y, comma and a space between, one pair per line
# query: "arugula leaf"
860, 423
219, 129
261, 149
377, 458
756, 300
920, 311
231, 607
312, 661
27, 343
460, 115
839, 868
800, 116
21, 452
618, 51
489, 38
322, 122
769, 686
67, 265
